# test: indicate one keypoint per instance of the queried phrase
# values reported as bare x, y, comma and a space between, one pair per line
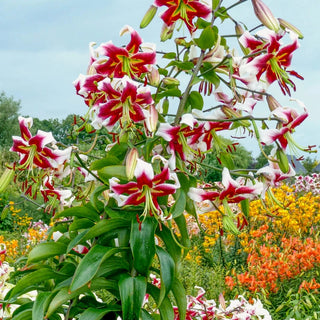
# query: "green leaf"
169, 55
207, 39
132, 293
222, 13
89, 265
97, 314
96, 203
23, 313
46, 250
106, 226
171, 245
182, 225
145, 315
80, 212
31, 279
78, 224
167, 272
112, 266
245, 207
142, 243
208, 73
180, 203
180, 297
39, 306
166, 310
215, 4
62, 297
117, 171
109, 160
195, 100
183, 65
168, 93
202, 24
76, 240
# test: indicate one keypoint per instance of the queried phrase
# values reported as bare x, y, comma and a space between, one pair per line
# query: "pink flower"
33, 150
112, 61
271, 59
233, 191
147, 188
124, 102
185, 10
290, 120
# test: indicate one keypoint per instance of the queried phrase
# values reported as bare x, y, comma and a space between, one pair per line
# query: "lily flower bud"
131, 163
272, 103
229, 112
239, 32
5, 179
169, 81
148, 16
265, 15
283, 161
153, 119
287, 25
154, 77
166, 32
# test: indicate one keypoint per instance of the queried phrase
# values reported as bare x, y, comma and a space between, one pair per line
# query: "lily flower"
87, 87
290, 120
185, 10
33, 150
147, 188
112, 61
274, 61
125, 102
178, 138
233, 191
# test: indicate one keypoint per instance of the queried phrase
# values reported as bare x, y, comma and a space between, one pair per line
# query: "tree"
238, 154
9, 112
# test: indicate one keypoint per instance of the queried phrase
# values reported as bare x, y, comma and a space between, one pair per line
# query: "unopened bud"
228, 225
169, 81
272, 103
5, 179
239, 32
265, 15
131, 162
148, 16
166, 32
287, 25
154, 77
180, 41
283, 161
233, 114
152, 120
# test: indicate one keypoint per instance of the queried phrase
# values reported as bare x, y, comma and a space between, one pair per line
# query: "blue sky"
44, 47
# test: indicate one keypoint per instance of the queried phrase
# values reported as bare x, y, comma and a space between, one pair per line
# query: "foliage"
9, 109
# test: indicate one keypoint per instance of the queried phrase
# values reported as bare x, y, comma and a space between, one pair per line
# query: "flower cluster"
308, 184
200, 308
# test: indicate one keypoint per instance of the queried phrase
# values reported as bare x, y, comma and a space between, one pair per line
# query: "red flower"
185, 10
120, 61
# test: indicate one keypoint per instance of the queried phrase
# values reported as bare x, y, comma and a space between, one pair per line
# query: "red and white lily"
290, 120
271, 59
125, 102
185, 10
177, 137
233, 191
112, 61
33, 150
147, 188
